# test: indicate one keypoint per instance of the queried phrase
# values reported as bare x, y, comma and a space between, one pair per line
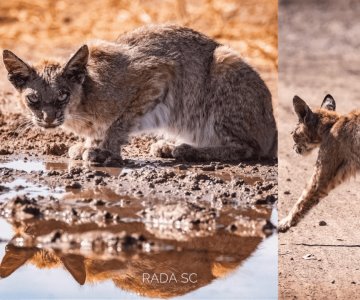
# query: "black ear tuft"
18, 71
302, 110
75, 69
329, 103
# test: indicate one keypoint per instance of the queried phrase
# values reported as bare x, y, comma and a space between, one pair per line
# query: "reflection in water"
151, 247
134, 239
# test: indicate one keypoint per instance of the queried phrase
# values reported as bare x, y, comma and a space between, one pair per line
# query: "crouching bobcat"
339, 155
167, 79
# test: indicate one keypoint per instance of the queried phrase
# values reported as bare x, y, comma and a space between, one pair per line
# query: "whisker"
79, 118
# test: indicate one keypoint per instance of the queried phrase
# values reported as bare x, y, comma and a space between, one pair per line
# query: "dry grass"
38, 27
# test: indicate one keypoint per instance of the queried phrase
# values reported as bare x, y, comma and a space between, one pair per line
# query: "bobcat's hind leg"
162, 148
185, 152
325, 178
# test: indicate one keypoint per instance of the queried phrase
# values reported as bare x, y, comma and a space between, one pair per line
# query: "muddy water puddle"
37, 165
97, 242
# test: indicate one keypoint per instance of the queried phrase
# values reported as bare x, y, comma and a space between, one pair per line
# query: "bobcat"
338, 137
167, 79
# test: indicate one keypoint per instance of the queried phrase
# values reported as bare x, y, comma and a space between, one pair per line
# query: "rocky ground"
318, 259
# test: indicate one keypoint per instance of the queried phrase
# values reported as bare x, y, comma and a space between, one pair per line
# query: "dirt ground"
318, 55
214, 208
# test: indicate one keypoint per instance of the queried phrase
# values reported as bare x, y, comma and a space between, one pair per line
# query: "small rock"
102, 173
4, 189
233, 227
55, 149
99, 202
5, 152
239, 182
208, 168
53, 173
32, 210
270, 199
183, 167
98, 180
322, 223
195, 187
261, 201
309, 257
75, 171
74, 185
19, 188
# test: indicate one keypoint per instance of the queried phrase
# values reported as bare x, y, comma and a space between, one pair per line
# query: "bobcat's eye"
32, 98
63, 96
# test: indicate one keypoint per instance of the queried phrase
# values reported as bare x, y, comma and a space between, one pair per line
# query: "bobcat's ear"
14, 258
75, 264
18, 71
302, 110
75, 69
329, 103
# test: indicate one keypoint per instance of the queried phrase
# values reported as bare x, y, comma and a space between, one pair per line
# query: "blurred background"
36, 27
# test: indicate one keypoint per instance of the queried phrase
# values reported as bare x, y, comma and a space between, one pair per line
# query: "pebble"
322, 223
73, 185
208, 168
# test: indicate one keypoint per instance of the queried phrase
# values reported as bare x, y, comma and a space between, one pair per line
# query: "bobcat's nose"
297, 149
49, 117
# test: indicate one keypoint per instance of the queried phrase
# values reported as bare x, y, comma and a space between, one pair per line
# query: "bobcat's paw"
76, 151
185, 152
102, 156
162, 149
284, 225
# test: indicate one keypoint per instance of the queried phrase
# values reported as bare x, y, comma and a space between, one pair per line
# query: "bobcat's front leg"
107, 150
326, 176
309, 197
76, 151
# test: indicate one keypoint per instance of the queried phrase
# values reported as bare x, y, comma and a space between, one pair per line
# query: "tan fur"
168, 79
338, 137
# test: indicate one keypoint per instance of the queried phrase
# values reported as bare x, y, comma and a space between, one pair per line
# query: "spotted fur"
338, 139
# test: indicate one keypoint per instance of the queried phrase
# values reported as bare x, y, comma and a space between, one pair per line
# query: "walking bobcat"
170, 79
338, 137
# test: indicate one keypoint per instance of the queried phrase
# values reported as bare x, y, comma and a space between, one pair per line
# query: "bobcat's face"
47, 100
305, 138
47, 90
306, 134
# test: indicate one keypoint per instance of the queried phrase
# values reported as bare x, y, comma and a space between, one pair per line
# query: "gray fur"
167, 79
